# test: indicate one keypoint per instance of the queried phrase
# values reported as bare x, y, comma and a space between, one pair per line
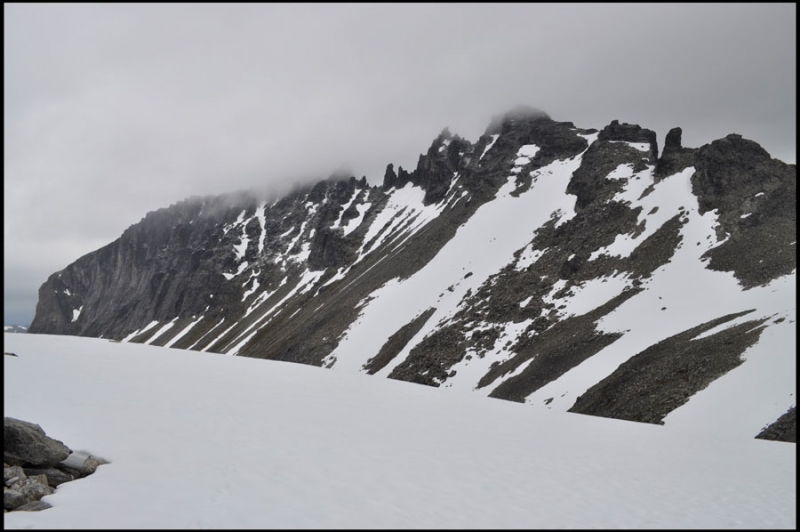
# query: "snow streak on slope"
183, 332
321, 449
161, 331
262, 220
404, 209
477, 248
489, 146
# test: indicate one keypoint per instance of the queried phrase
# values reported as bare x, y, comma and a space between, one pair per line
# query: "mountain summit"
544, 263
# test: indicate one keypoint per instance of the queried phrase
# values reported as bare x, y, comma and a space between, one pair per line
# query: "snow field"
250, 443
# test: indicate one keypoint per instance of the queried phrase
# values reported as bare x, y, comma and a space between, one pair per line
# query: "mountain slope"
544, 263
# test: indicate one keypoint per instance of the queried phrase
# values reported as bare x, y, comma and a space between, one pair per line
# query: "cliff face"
514, 266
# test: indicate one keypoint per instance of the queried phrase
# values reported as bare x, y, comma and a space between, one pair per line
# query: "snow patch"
489, 146
143, 330
641, 146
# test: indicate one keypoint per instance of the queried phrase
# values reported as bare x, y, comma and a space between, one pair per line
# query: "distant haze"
115, 110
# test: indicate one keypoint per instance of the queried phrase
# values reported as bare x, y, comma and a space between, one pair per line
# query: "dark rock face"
55, 477
430, 359
25, 442
613, 148
675, 157
661, 378
617, 132
756, 197
13, 499
397, 342
553, 352
784, 428
287, 278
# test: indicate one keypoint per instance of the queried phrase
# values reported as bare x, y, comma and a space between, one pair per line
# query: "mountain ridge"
346, 275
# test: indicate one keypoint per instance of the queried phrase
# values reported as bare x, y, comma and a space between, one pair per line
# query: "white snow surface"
201, 440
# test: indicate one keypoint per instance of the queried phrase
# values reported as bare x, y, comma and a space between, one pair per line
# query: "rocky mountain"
544, 263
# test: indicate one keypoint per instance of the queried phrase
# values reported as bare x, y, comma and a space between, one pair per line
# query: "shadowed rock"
784, 429
27, 442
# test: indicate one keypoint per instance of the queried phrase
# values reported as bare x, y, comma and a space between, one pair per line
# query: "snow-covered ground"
201, 440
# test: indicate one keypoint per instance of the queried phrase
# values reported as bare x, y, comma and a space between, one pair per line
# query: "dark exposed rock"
13, 473
89, 466
397, 342
13, 499
329, 249
34, 506
675, 157
27, 442
756, 197
41, 479
429, 360
24, 487
784, 428
616, 132
653, 383
33, 489
611, 149
437, 168
657, 249
554, 352
389, 178
54, 476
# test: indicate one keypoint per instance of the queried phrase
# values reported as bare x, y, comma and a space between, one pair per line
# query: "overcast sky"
115, 110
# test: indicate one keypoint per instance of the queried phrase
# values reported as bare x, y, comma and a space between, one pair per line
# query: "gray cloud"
112, 111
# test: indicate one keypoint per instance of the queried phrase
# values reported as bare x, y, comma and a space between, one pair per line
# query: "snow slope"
201, 440
480, 248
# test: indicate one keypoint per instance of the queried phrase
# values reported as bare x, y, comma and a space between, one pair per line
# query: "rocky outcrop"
784, 428
35, 464
25, 442
614, 146
675, 158
661, 378
756, 198
396, 342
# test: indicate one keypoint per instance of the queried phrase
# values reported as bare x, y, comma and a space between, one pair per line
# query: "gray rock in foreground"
34, 506
12, 499
27, 442
32, 489
35, 464
55, 477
